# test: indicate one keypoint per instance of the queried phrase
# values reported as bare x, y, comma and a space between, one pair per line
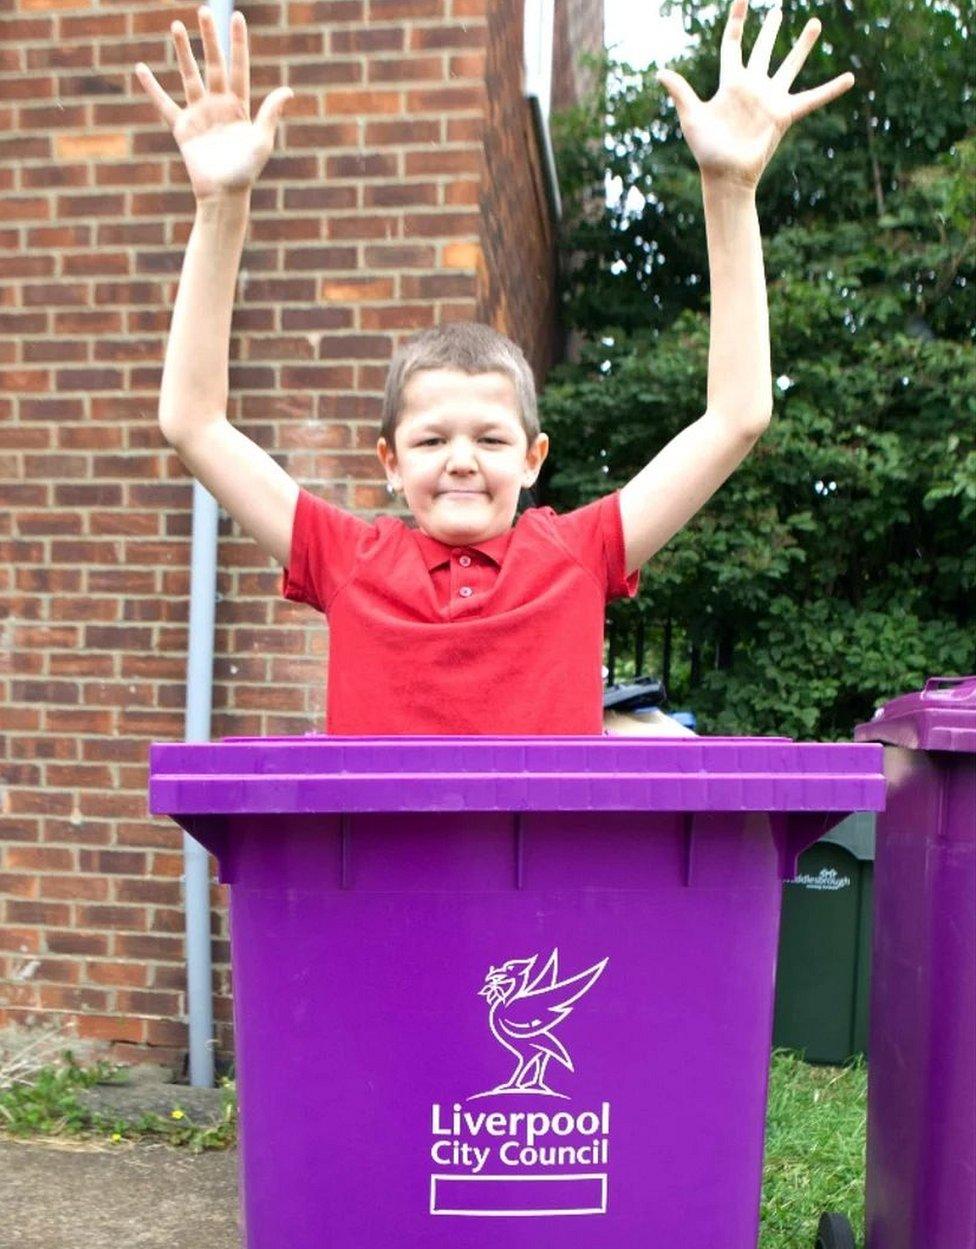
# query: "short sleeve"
594, 534
325, 545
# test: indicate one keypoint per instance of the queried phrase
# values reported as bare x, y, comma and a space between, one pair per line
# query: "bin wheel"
835, 1232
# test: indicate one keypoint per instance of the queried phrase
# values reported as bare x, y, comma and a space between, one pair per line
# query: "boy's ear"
387, 457
535, 458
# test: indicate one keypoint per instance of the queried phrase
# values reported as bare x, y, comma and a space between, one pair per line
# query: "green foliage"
835, 569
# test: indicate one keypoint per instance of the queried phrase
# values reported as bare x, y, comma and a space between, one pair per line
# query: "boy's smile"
461, 454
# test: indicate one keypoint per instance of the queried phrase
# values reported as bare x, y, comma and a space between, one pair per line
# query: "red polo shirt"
502, 637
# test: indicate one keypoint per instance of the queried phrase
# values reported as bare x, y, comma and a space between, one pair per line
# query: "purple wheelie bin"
921, 1153
505, 991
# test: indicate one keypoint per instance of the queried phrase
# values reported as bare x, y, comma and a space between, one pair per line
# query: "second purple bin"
505, 991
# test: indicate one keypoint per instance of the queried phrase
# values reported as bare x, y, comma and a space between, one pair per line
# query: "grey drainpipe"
199, 702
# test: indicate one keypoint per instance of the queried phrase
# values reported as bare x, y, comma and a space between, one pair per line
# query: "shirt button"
465, 561
465, 591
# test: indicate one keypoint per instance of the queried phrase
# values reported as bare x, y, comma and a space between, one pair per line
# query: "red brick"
19, 886
321, 72
28, 148
443, 161
454, 35
55, 294
393, 10
113, 862
73, 998
401, 256
97, 205
128, 945
401, 194
71, 942
87, 323
19, 940
40, 88
111, 1028
331, 11
46, 914
125, 918
402, 133
56, 350
399, 316
39, 859
88, 888
23, 995
66, 720
24, 747
165, 1032
357, 103
23, 379
96, 264
147, 835
125, 232
407, 69
101, 26
21, 718
440, 225
142, 1002
446, 99
133, 975
22, 323
462, 192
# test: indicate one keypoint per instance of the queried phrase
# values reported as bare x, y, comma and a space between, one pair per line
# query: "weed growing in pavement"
48, 1102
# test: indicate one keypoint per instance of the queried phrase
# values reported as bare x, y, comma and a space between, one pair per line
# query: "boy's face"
461, 454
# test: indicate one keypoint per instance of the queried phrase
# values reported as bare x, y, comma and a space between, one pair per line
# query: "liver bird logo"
524, 1014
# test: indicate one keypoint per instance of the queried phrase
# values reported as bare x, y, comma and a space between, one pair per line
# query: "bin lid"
640, 693
942, 716
328, 774
856, 835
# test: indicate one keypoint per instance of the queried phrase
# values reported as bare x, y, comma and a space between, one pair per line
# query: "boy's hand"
734, 134
223, 149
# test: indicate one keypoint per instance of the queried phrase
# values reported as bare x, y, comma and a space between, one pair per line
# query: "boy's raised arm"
732, 136
224, 154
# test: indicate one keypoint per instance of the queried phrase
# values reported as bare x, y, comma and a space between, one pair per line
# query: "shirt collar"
437, 553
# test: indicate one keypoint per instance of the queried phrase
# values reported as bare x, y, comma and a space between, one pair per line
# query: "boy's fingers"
678, 88
164, 106
212, 54
793, 61
730, 56
762, 49
192, 82
240, 61
806, 101
269, 114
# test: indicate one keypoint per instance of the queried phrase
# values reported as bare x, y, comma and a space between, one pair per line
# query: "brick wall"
380, 212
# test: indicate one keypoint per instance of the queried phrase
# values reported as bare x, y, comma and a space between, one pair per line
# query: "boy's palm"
221, 149
224, 151
736, 132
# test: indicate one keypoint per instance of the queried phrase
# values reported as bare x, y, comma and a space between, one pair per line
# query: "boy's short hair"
470, 347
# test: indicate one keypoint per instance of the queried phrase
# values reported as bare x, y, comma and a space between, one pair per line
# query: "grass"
814, 1134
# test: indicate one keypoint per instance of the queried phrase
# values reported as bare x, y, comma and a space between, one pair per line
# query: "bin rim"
942, 716
328, 774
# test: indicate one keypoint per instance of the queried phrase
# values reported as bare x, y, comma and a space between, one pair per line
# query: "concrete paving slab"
71, 1195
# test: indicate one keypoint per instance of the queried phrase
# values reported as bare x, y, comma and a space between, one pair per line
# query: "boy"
466, 624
